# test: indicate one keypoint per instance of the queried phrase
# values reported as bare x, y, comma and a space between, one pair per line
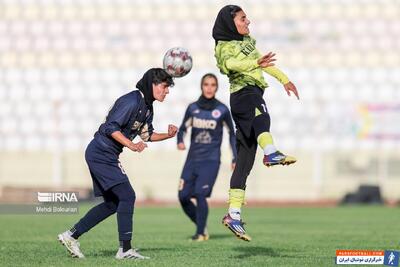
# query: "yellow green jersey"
238, 60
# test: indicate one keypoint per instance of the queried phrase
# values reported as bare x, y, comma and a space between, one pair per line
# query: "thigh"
207, 175
245, 105
187, 181
107, 173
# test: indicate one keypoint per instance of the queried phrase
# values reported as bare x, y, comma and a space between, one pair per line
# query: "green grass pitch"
281, 237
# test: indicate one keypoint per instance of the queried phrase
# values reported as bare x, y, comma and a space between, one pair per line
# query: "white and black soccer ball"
177, 62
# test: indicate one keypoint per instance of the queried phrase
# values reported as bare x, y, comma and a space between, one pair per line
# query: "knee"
201, 199
112, 206
201, 195
184, 196
126, 202
127, 195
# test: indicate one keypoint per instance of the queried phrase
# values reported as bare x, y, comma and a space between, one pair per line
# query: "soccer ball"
177, 62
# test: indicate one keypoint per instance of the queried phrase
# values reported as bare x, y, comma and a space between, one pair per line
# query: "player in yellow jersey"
238, 58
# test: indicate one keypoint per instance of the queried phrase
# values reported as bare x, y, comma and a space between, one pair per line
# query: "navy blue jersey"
207, 130
129, 115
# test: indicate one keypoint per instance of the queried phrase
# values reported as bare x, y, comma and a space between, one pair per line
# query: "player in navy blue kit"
207, 117
130, 116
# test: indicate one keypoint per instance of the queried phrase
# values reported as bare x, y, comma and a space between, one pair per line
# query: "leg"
186, 191
91, 219
96, 215
261, 127
207, 174
201, 213
126, 199
246, 149
184, 196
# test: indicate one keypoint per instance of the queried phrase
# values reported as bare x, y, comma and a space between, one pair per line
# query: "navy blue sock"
201, 214
126, 196
187, 205
93, 217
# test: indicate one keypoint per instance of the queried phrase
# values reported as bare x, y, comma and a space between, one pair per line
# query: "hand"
289, 87
233, 166
172, 130
181, 146
138, 147
266, 60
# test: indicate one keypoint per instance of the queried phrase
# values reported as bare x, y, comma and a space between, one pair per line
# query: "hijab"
145, 85
224, 27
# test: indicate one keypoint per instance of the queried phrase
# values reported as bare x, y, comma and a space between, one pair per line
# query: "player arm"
186, 123
241, 65
116, 119
229, 59
172, 130
283, 79
232, 137
277, 74
120, 138
147, 133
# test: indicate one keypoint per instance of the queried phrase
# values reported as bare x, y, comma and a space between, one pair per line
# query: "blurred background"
64, 62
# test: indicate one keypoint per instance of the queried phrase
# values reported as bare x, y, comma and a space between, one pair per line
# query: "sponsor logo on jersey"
203, 137
248, 48
136, 125
204, 124
196, 111
216, 113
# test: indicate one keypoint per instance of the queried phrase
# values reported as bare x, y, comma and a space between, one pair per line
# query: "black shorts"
199, 177
104, 167
243, 107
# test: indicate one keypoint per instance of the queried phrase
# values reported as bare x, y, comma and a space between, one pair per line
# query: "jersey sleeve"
186, 123
228, 59
232, 137
147, 129
277, 74
119, 116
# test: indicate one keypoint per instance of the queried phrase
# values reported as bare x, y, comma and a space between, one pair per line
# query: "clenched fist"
172, 130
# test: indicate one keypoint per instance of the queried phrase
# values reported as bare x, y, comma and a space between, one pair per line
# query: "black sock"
125, 245
75, 233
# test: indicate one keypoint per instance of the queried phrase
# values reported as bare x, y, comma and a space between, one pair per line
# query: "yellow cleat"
199, 238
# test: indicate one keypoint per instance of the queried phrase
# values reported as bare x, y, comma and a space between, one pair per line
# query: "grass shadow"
246, 252
221, 236
252, 251
108, 252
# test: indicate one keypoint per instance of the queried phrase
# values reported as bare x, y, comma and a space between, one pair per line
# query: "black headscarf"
224, 27
145, 85
207, 103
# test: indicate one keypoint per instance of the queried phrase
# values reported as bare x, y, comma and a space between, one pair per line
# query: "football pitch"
281, 237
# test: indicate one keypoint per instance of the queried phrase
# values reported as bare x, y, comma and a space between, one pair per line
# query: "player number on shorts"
264, 107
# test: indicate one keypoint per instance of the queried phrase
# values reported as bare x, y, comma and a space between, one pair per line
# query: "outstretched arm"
186, 123
172, 129
283, 79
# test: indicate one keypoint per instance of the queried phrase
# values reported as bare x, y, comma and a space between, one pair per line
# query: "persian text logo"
355, 257
52, 197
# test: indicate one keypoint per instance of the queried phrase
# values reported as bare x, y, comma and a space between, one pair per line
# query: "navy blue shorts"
199, 177
105, 168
